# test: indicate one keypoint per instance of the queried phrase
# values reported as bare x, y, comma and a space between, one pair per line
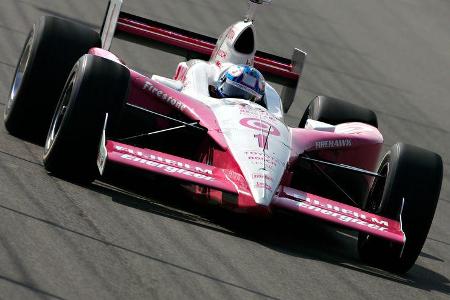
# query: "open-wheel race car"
217, 126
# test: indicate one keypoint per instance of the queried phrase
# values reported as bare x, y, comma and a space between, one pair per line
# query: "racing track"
64, 241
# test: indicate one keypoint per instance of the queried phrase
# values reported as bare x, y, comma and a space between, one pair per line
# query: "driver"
240, 81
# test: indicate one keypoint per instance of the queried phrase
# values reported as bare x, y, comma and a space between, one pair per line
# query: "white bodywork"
257, 137
258, 141
225, 48
320, 126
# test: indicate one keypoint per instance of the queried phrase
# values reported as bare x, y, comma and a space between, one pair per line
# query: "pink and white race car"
234, 152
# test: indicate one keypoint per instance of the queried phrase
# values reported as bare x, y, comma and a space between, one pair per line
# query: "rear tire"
412, 174
335, 111
95, 86
52, 48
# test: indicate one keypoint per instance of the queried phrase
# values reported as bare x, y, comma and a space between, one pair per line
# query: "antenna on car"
252, 5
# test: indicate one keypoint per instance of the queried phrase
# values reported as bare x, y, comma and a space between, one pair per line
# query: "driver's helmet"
241, 81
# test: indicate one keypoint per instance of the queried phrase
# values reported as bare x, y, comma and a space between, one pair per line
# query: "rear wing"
283, 71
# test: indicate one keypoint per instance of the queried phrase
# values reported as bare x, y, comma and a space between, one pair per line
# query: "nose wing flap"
177, 167
339, 213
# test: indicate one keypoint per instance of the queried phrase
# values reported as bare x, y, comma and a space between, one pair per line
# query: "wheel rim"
59, 114
21, 70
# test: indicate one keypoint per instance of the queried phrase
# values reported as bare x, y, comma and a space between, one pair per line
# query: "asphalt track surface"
65, 241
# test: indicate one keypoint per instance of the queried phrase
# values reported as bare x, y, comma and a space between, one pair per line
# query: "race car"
92, 112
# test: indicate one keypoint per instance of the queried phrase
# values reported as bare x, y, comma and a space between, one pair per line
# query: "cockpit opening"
245, 43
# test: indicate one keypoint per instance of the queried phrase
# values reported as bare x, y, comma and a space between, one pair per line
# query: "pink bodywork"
357, 144
180, 168
339, 213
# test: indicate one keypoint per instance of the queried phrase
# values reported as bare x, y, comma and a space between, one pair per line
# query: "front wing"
339, 213
170, 165
228, 181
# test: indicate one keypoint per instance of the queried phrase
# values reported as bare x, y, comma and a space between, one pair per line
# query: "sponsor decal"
255, 112
148, 86
231, 34
263, 141
262, 185
222, 53
260, 125
166, 168
169, 165
334, 144
262, 176
235, 71
342, 214
259, 159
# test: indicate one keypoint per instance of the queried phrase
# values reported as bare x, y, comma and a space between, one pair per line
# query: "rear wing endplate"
117, 23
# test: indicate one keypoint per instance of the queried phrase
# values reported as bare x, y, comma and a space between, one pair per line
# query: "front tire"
409, 193
50, 51
95, 86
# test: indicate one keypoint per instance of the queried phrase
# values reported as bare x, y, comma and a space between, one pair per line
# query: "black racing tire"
50, 51
95, 86
335, 111
412, 174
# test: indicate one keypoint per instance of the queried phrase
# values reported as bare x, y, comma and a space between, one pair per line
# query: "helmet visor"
235, 90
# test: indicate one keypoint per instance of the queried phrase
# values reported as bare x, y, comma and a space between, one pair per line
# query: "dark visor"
235, 90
